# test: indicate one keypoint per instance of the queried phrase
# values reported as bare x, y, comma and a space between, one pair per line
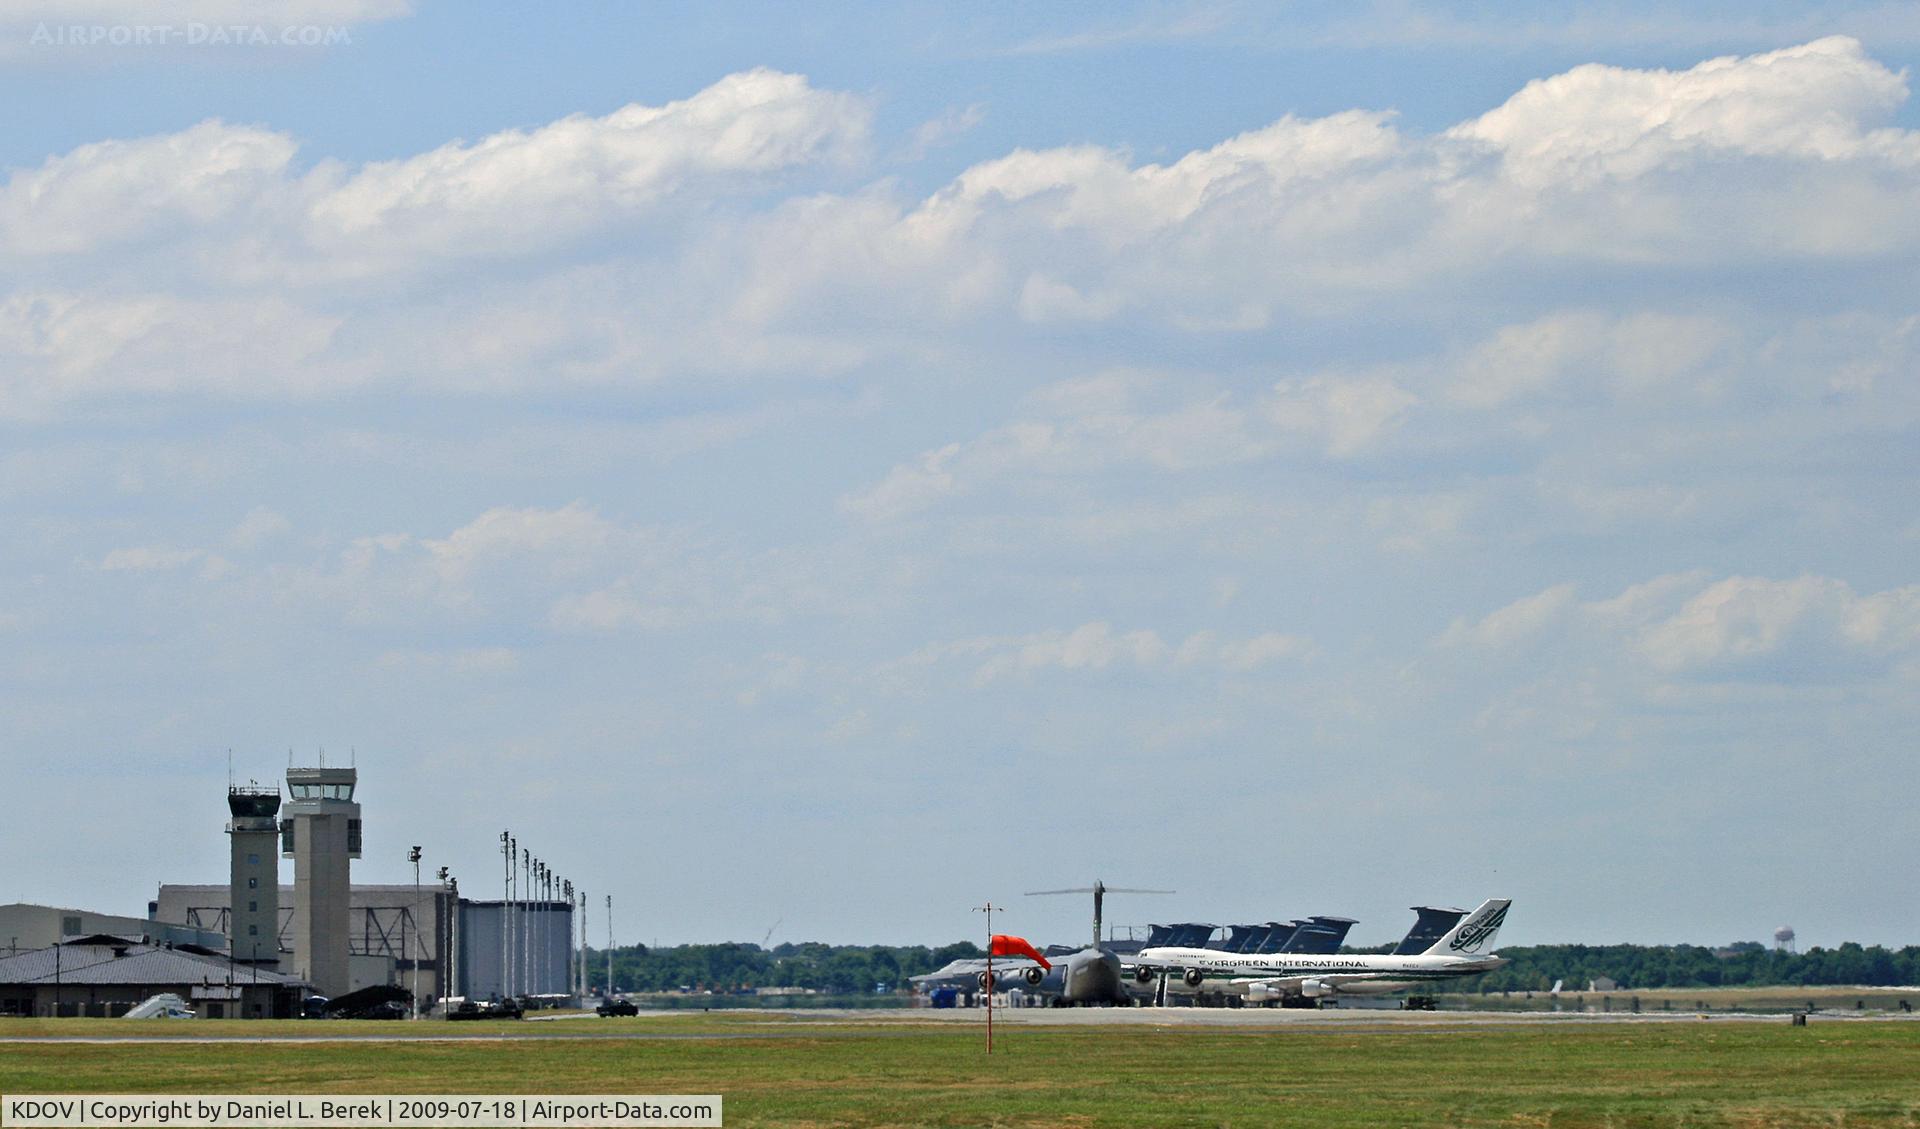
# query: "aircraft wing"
970, 968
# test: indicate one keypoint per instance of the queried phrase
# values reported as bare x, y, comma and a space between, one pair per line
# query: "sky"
809, 472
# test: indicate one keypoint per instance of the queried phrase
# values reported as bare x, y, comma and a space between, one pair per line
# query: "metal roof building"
27, 926
106, 976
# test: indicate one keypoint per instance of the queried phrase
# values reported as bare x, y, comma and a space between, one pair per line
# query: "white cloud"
1343, 415
1098, 646
466, 660
57, 347
1515, 623
259, 526
149, 558
1746, 618
1733, 628
1099, 424
1598, 122
110, 192
233, 193
517, 191
694, 271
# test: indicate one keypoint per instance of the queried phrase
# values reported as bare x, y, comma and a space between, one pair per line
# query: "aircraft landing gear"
1420, 1003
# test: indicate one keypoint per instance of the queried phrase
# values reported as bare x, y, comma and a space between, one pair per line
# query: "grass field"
786, 1071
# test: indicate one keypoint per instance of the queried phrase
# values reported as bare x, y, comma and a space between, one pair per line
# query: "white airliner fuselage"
1464, 951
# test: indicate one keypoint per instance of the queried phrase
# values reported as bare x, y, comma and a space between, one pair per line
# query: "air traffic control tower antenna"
253, 914
321, 833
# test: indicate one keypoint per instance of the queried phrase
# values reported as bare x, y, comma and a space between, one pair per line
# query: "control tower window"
353, 836
286, 836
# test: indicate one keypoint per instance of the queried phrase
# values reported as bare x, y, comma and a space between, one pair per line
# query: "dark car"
616, 1007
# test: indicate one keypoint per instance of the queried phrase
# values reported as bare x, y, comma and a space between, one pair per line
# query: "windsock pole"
988, 910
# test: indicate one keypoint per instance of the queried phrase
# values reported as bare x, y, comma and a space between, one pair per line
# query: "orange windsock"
1006, 945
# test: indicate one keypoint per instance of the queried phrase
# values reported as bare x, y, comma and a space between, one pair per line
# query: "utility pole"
413, 997
609, 945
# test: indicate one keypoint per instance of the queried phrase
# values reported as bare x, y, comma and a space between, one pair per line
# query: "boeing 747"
1306, 979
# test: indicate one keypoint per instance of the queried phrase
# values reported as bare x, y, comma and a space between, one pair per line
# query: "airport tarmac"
834, 1023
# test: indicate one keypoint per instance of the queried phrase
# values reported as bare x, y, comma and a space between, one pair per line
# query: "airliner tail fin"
1475, 933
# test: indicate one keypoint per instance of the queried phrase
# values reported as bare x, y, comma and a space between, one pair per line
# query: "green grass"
1717, 1073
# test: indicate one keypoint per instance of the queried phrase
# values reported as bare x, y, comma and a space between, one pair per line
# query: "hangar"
105, 975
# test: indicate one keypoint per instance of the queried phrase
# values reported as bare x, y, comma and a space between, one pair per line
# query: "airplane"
1304, 980
1084, 977
1091, 975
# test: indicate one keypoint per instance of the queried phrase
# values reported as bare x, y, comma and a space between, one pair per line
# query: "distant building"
390, 930
26, 926
539, 942
105, 975
1603, 984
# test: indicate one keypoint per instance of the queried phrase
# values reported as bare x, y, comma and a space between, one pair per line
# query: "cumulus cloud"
695, 268
516, 191
1097, 646
1090, 425
1593, 123
236, 188
571, 570
1734, 628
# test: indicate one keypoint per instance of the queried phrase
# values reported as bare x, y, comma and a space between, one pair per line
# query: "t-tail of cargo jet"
1303, 978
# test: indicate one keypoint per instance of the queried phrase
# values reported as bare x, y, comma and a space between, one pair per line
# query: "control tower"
320, 832
253, 913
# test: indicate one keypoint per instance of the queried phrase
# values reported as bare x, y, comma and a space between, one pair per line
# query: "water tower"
321, 833
1783, 939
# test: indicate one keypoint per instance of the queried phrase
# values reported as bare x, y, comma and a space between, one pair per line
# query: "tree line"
1745, 964
740, 966
859, 969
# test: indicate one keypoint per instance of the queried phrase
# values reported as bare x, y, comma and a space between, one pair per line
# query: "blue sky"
835, 471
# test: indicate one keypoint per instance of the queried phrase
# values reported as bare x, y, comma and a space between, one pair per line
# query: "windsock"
1005, 945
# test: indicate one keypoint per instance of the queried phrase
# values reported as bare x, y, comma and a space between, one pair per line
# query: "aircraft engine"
1193, 976
1143, 974
986, 981
1033, 975
1314, 989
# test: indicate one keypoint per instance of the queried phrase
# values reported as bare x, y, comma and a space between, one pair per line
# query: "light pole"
413, 997
526, 933
446, 964
506, 899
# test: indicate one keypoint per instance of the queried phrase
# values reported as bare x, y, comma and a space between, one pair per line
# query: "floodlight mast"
506, 906
413, 997
449, 963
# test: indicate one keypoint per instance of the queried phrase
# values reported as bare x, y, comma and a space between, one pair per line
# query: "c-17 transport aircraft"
1302, 980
